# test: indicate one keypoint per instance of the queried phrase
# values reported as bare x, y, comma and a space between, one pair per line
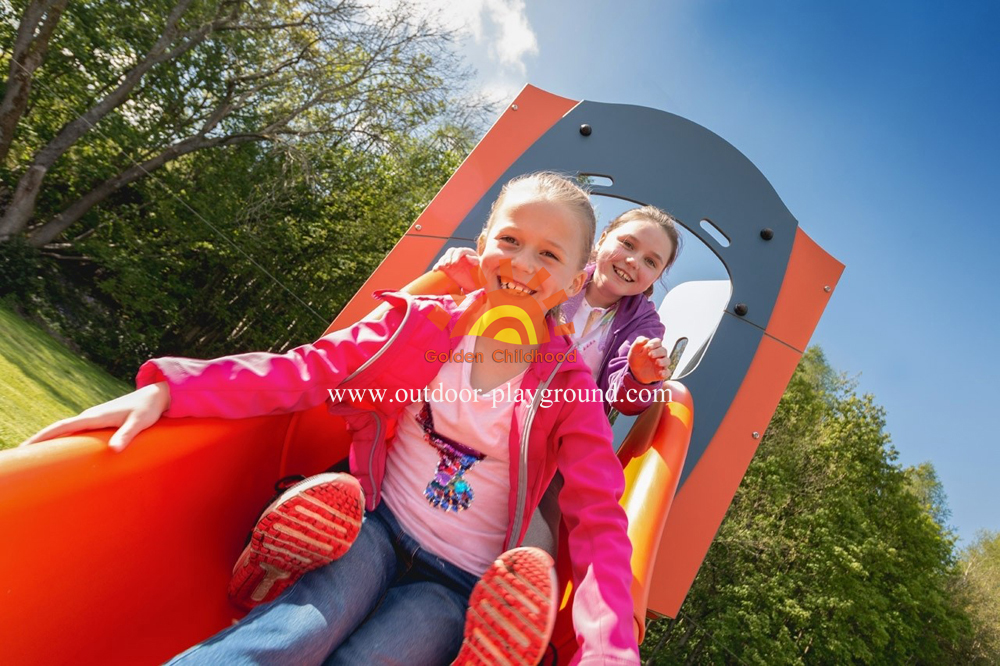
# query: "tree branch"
22, 205
50, 230
29, 51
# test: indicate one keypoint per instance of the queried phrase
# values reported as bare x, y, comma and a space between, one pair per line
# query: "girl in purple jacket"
400, 593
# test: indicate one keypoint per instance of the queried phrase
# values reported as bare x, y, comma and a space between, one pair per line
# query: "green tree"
257, 252
924, 484
332, 125
30, 45
979, 590
132, 87
826, 554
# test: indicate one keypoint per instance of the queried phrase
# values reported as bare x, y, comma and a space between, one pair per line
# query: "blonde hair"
557, 188
661, 218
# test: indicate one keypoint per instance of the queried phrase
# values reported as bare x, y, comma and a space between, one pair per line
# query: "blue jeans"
386, 601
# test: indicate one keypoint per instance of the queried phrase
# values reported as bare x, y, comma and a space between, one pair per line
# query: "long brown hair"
667, 222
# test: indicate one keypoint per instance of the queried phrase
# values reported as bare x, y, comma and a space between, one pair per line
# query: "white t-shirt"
450, 491
591, 327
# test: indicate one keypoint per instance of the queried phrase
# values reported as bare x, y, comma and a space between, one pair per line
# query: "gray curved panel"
658, 158
655, 157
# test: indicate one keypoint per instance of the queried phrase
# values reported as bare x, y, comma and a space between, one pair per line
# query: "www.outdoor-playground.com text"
498, 395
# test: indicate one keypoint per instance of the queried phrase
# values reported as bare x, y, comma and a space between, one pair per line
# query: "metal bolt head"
418, 227
827, 289
586, 129
756, 435
513, 107
766, 233
741, 309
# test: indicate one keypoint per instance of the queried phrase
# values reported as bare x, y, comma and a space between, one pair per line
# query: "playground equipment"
124, 558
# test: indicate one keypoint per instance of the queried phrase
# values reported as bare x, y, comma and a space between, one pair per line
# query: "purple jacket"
391, 353
636, 315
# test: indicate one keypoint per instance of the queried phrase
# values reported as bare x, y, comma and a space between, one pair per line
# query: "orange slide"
124, 558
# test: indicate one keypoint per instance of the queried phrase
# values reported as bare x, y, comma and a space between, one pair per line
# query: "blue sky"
876, 124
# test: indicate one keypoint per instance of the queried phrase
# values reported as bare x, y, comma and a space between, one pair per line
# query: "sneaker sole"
308, 526
512, 611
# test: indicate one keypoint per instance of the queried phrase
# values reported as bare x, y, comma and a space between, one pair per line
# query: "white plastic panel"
693, 310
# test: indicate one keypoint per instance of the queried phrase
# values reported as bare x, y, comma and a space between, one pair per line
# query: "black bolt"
586, 129
741, 309
767, 234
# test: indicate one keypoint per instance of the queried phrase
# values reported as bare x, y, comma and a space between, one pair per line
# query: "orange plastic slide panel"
407, 261
708, 491
433, 283
532, 114
653, 455
651, 480
810, 279
316, 440
124, 558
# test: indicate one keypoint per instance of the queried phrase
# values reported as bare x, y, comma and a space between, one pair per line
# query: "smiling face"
629, 259
533, 234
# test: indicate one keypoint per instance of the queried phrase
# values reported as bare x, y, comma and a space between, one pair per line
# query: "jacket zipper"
522, 471
378, 419
377, 487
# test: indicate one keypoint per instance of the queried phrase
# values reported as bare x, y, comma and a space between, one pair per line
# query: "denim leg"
312, 617
417, 623
420, 621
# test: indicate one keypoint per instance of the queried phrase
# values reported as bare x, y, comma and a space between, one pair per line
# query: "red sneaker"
511, 611
310, 525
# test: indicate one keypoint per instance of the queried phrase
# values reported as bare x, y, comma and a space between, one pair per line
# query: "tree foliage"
826, 554
978, 588
254, 252
923, 482
127, 88
198, 177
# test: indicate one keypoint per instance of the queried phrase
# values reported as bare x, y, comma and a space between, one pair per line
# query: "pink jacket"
391, 353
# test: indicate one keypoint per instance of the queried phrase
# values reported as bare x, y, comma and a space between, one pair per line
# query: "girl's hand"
131, 414
647, 359
461, 264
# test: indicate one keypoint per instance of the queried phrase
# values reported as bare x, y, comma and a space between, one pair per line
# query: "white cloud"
515, 39
494, 37
498, 29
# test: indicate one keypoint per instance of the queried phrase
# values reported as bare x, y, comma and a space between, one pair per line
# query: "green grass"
42, 381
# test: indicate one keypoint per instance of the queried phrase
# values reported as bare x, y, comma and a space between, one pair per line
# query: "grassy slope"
41, 381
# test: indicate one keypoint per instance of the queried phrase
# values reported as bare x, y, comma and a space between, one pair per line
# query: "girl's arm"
598, 543
260, 383
233, 386
634, 367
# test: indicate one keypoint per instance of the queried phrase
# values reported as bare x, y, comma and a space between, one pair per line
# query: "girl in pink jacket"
461, 432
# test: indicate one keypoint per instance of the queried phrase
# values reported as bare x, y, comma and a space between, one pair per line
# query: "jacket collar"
628, 306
